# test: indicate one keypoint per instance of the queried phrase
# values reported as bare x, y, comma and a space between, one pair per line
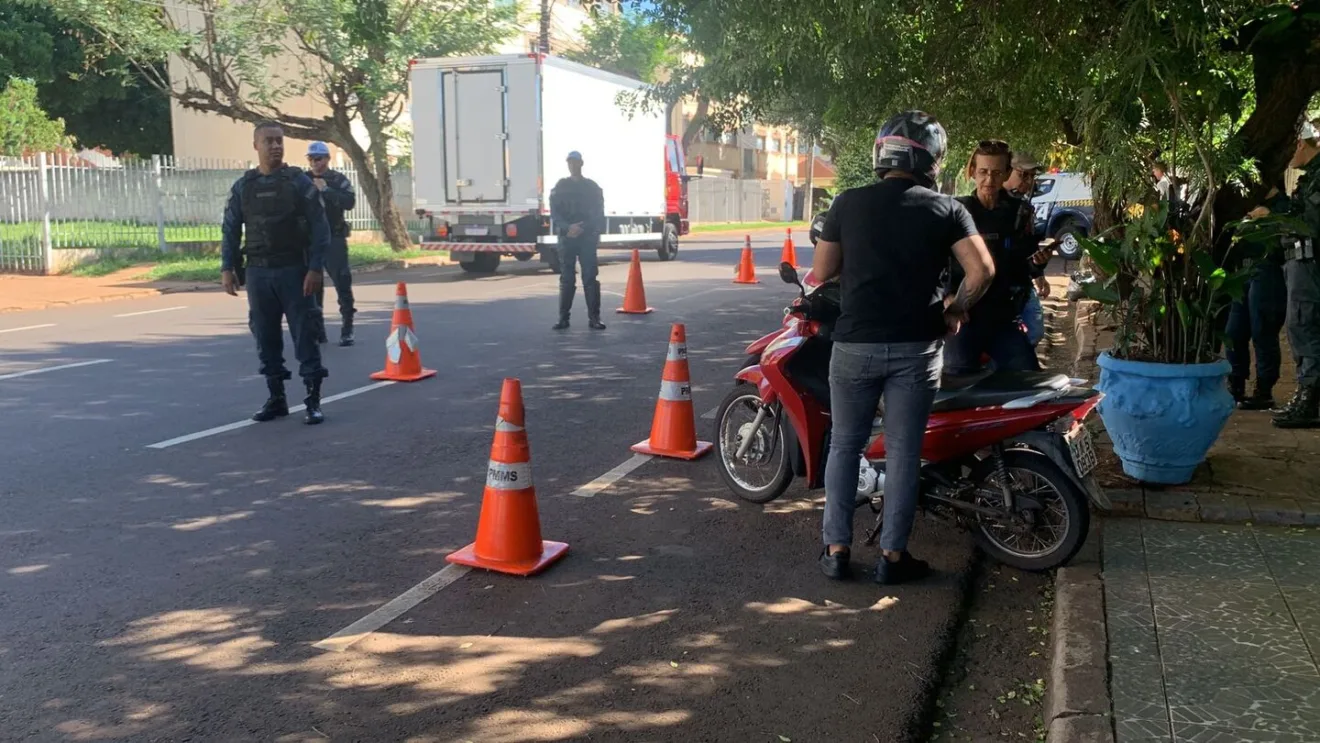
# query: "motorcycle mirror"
789, 274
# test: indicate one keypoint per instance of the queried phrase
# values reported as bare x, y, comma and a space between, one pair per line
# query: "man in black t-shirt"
1006, 223
889, 244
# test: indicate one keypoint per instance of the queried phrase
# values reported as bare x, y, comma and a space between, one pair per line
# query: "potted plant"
1166, 397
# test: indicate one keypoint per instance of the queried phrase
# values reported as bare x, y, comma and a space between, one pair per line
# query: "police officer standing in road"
577, 210
278, 213
1303, 275
337, 194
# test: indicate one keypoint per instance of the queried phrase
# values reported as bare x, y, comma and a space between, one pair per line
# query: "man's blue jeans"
907, 376
1255, 320
1033, 316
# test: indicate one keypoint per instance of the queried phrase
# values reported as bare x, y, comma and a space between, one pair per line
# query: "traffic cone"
634, 296
746, 273
509, 529
674, 427
789, 255
403, 363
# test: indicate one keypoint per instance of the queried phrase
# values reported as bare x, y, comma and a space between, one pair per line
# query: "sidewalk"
1214, 632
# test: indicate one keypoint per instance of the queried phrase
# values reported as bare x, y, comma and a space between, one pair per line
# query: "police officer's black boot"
277, 405
593, 307
1302, 412
1261, 399
313, 403
1238, 388
565, 307
346, 332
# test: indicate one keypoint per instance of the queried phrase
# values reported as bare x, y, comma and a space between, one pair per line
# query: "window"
760, 143
774, 144
728, 138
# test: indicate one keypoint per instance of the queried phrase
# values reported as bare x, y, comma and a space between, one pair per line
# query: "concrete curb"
1212, 508
182, 286
1078, 707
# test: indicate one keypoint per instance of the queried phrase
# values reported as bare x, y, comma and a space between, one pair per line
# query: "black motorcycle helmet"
913, 142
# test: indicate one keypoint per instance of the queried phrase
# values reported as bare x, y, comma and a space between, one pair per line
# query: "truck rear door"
475, 113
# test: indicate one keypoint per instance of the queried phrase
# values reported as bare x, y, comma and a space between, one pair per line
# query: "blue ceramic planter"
1163, 418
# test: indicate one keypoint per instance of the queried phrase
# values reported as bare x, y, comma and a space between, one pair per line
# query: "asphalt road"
180, 592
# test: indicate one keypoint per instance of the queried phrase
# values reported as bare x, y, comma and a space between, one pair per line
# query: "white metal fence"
51, 202
735, 200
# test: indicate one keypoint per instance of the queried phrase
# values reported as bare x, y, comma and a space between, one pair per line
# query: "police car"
1063, 210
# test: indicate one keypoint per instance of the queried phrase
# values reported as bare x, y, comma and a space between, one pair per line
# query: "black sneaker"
596, 325
835, 566
905, 570
561, 325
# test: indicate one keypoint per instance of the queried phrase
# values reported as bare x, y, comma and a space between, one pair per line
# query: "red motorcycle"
1006, 454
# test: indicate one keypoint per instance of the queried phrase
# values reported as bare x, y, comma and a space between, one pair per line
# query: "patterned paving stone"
1213, 632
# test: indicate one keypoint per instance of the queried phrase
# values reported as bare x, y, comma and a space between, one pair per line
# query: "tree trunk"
698, 121
373, 170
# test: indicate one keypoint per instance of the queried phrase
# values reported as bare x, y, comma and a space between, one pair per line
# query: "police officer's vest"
333, 214
275, 229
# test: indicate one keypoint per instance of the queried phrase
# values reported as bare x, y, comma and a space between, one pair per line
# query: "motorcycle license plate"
1082, 449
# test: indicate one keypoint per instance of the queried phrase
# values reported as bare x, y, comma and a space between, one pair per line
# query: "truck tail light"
442, 230
511, 229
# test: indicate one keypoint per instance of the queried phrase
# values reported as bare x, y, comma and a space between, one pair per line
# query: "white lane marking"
611, 293
244, 424
30, 372
350, 635
150, 312
28, 327
710, 414
609, 478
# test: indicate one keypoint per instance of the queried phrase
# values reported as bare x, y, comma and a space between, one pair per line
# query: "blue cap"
318, 149
575, 155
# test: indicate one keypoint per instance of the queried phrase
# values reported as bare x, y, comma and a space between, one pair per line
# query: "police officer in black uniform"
337, 194
1007, 224
278, 213
577, 211
1303, 274
1255, 321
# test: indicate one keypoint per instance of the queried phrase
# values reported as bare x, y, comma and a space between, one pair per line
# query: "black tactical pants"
275, 294
574, 250
1304, 319
338, 273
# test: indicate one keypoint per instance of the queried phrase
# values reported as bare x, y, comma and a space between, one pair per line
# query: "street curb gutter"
1211, 508
1078, 707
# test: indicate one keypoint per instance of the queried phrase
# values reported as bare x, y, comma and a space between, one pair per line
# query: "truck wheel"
482, 263
1070, 249
668, 249
523, 257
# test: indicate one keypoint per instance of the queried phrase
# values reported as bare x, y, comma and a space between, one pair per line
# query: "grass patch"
744, 226
206, 266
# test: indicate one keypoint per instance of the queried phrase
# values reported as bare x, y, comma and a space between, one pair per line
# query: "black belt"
274, 261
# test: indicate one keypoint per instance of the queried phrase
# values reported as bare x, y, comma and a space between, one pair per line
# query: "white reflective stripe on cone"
677, 352
392, 349
675, 391
401, 302
504, 426
410, 339
501, 476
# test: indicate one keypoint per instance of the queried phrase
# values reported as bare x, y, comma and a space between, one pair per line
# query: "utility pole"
545, 26
808, 203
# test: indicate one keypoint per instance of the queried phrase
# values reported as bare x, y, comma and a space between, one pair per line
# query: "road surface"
170, 573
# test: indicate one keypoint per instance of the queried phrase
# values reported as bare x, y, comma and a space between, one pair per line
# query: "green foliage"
853, 152
104, 101
24, 126
628, 44
261, 61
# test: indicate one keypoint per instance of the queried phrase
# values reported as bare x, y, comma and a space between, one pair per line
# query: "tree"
627, 43
24, 127
103, 100
254, 61
1038, 74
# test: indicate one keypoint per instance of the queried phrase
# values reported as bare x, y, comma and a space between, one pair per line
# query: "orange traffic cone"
746, 273
674, 428
403, 363
634, 297
509, 529
789, 255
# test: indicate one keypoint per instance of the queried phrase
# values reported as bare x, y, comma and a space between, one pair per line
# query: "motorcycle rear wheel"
1044, 495
766, 472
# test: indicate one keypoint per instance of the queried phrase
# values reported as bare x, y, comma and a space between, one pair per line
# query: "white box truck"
490, 139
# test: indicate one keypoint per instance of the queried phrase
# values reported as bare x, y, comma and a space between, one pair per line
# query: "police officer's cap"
575, 155
318, 149
1023, 161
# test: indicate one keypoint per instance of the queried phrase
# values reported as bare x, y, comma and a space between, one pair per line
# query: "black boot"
1261, 399
313, 403
1302, 412
346, 332
592, 295
277, 405
1238, 388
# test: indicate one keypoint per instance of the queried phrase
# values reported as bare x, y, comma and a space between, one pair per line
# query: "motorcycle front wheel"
1049, 520
764, 472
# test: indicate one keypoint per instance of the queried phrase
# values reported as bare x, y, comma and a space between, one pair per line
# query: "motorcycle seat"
995, 388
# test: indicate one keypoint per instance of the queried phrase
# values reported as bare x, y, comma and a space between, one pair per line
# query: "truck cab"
1064, 210
676, 185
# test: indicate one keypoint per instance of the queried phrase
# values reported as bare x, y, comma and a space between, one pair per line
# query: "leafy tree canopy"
627, 43
24, 126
